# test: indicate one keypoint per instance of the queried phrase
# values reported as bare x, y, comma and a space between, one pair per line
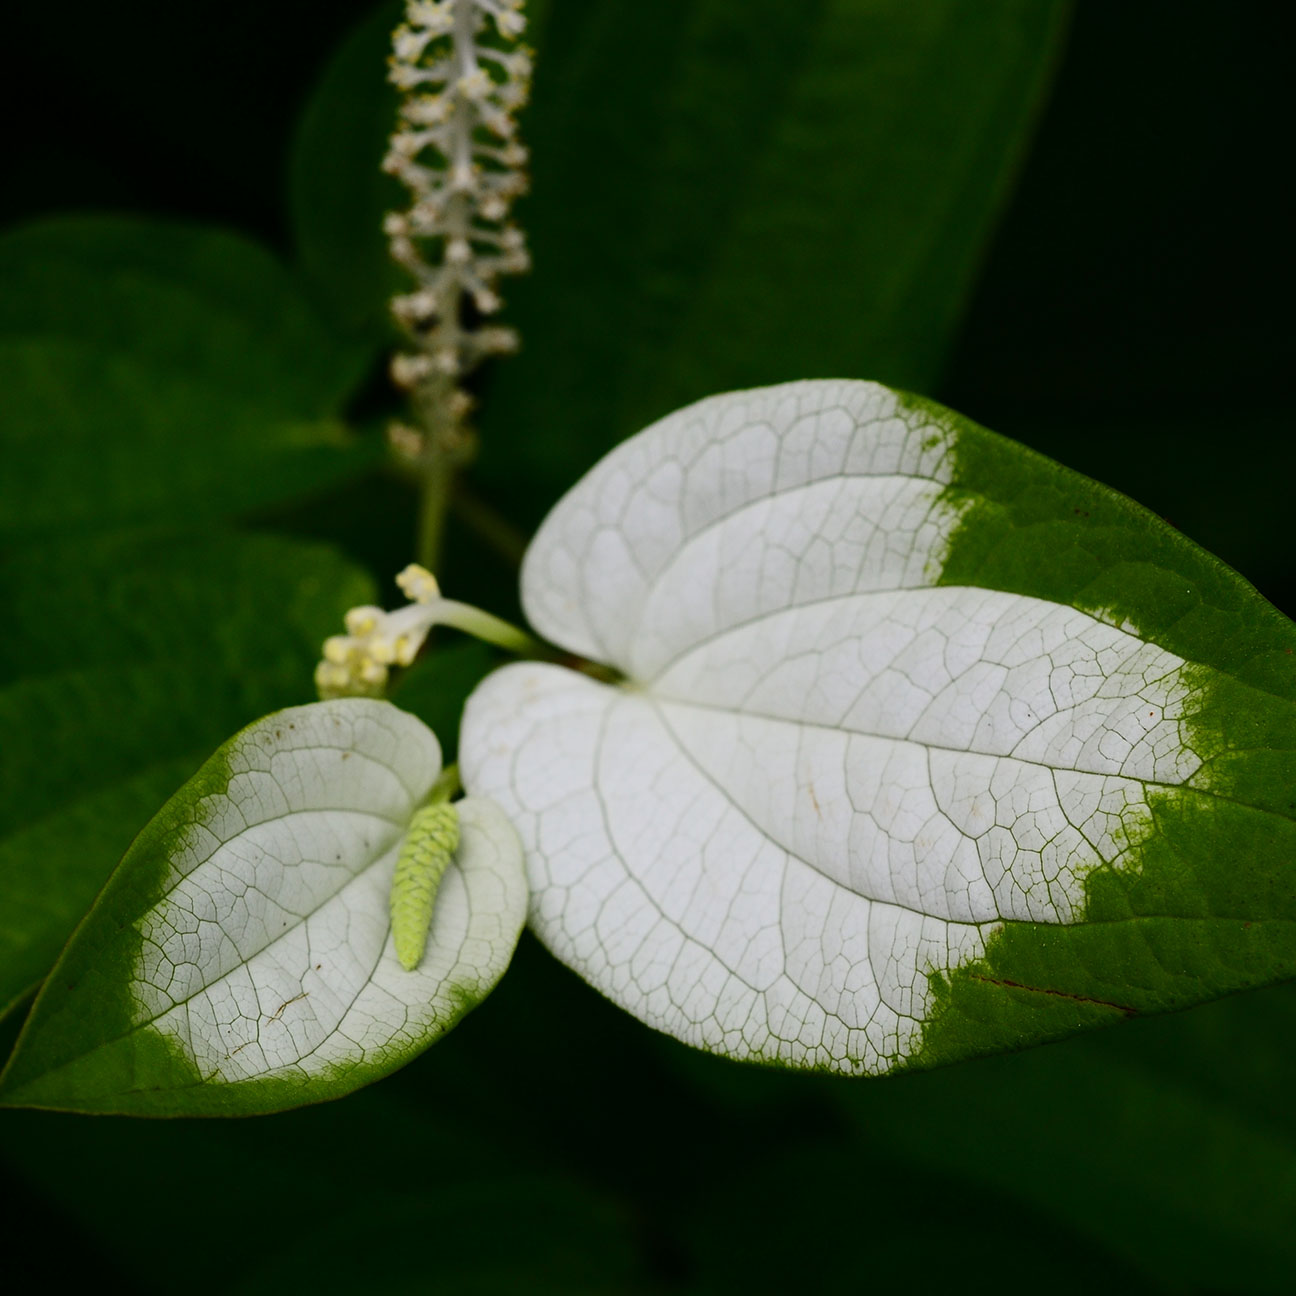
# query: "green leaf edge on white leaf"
1191, 900
1210, 908
101, 1037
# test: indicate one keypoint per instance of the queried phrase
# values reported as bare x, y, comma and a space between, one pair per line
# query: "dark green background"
1130, 320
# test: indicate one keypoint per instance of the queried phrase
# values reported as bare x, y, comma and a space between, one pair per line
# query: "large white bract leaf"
828, 775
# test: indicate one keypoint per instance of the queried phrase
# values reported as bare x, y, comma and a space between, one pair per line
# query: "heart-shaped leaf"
928, 746
240, 960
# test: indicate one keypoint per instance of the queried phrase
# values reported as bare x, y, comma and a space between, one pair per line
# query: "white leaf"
827, 776
270, 954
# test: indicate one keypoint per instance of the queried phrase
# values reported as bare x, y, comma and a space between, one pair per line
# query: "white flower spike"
462, 90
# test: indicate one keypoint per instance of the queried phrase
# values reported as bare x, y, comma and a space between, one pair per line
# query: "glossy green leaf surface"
178, 297
241, 958
123, 665
338, 195
152, 370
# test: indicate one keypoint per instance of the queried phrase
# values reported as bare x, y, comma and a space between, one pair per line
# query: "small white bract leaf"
271, 954
829, 775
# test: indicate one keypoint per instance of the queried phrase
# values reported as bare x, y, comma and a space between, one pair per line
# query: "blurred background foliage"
1064, 224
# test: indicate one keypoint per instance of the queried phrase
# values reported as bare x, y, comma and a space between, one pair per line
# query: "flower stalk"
463, 81
359, 663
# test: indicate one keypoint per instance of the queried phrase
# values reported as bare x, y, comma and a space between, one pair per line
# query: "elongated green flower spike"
425, 854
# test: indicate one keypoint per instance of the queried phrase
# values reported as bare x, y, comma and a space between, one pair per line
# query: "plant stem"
446, 444
447, 786
492, 629
435, 481
454, 147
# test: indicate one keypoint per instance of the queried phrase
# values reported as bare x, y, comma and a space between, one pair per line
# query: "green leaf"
240, 960
338, 194
439, 1176
121, 667
740, 194
929, 747
746, 194
1166, 1145
157, 371
1168, 1142
94, 438
849, 1212
561, 1240
201, 301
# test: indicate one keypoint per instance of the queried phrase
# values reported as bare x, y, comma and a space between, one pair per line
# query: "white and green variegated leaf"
241, 958
926, 746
